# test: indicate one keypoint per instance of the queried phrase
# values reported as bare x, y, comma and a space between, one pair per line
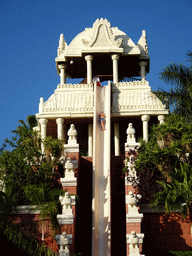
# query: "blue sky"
30, 31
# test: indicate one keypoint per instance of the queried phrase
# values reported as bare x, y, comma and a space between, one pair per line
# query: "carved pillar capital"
60, 120
88, 57
161, 119
62, 66
43, 121
145, 118
115, 57
142, 63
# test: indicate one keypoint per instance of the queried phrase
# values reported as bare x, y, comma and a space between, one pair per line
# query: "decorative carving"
76, 99
62, 45
72, 133
63, 241
72, 145
142, 44
67, 215
69, 173
66, 203
133, 213
131, 143
134, 96
134, 240
132, 200
75, 86
102, 35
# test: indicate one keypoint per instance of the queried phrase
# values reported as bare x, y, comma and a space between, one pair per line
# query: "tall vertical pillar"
90, 139
62, 68
143, 64
89, 59
116, 139
43, 123
60, 130
115, 58
145, 119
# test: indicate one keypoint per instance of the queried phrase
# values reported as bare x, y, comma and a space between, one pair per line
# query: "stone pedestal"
64, 241
69, 183
133, 225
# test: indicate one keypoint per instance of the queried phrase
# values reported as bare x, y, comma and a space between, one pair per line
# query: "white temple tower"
108, 54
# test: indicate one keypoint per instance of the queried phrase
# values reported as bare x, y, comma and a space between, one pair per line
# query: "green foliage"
25, 242
168, 152
179, 76
177, 193
181, 253
30, 177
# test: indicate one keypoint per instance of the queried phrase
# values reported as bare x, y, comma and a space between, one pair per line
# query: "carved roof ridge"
108, 33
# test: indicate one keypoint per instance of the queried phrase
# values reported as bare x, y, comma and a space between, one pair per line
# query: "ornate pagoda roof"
77, 101
101, 41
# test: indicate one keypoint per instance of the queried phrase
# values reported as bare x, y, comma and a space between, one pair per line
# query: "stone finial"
132, 200
72, 145
67, 214
72, 133
130, 133
62, 45
69, 173
66, 203
63, 241
70, 179
41, 105
68, 164
131, 143
134, 240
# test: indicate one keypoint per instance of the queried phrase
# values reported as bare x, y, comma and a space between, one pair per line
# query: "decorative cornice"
68, 183
27, 209
137, 84
65, 219
137, 218
74, 86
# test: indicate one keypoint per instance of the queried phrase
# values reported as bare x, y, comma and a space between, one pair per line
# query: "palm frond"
175, 74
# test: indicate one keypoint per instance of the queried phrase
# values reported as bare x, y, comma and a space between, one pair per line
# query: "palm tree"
179, 76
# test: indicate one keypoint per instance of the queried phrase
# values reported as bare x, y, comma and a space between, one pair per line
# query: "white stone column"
143, 64
60, 130
116, 139
115, 58
161, 119
62, 68
89, 59
145, 119
43, 123
90, 139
